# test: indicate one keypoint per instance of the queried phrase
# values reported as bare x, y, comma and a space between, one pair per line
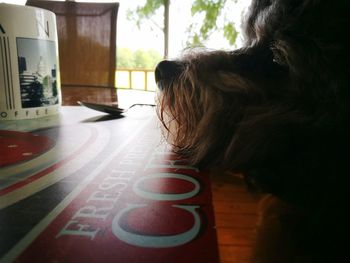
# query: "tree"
145, 59
125, 58
147, 11
210, 10
141, 59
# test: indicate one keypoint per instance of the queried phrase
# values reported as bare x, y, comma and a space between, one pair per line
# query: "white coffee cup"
29, 67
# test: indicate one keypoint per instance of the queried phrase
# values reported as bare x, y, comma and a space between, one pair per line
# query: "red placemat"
140, 204
16, 147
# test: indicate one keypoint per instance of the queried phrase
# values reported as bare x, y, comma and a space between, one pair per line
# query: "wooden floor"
236, 216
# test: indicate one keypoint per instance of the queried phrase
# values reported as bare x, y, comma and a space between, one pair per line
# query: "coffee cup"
29, 65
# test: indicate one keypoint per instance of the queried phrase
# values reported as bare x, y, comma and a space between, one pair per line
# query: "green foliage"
124, 58
145, 59
145, 12
212, 11
149, 8
230, 33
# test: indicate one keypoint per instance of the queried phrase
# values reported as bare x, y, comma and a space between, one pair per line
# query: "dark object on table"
109, 108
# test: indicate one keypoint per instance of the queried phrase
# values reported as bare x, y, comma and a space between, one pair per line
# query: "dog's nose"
166, 71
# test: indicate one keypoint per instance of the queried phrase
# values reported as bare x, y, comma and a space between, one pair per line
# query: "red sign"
142, 204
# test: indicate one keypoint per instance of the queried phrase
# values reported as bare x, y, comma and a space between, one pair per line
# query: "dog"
277, 111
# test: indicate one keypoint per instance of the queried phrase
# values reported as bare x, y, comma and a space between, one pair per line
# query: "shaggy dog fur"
277, 111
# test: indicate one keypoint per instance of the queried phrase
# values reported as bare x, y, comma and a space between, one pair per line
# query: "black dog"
277, 111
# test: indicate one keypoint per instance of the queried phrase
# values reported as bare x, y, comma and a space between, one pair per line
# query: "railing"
137, 79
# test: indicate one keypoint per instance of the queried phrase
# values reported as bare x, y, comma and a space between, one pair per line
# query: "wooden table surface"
85, 187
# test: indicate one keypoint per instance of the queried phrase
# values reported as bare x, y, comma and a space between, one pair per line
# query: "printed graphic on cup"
37, 68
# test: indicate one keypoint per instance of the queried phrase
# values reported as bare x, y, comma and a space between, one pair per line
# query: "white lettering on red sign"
101, 203
162, 196
74, 228
151, 241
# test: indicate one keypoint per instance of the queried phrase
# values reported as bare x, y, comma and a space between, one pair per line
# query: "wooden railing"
138, 79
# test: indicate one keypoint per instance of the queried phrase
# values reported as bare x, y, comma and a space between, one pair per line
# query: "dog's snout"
166, 71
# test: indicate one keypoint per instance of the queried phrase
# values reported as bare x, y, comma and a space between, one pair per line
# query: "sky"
128, 35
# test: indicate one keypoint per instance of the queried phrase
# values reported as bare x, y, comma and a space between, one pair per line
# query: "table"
87, 187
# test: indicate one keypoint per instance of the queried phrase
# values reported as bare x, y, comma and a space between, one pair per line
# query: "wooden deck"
236, 216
